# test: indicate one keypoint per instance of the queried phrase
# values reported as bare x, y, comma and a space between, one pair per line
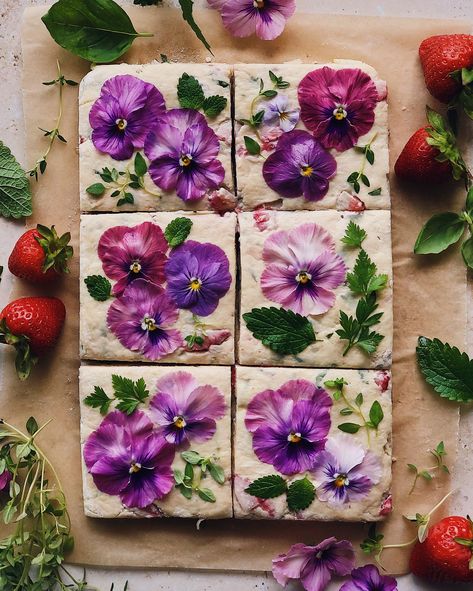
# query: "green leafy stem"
428, 474
198, 334
128, 395
197, 468
358, 176
299, 493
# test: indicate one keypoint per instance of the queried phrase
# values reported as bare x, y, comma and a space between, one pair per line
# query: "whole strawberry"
32, 325
447, 553
431, 154
444, 55
40, 255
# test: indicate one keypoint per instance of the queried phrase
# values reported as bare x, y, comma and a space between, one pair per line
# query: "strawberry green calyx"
24, 360
465, 97
57, 250
442, 138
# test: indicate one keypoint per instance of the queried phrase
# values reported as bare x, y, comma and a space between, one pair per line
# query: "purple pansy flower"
133, 253
266, 18
368, 578
314, 566
277, 112
198, 276
289, 425
5, 478
345, 471
299, 166
127, 458
185, 411
337, 106
183, 151
123, 115
301, 269
141, 319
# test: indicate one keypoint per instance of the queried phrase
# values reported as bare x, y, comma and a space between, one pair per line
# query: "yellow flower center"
340, 113
303, 277
306, 170
294, 437
149, 324
258, 3
195, 284
179, 422
135, 467
341, 480
121, 124
185, 159
135, 267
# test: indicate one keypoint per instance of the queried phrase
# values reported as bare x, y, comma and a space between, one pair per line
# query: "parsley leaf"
177, 231
283, 331
356, 330
354, 235
214, 105
99, 287
300, 494
363, 279
267, 487
130, 394
99, 399
15, 192
446, 369
190, 93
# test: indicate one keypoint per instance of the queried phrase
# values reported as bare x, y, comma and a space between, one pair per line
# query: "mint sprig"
299, 494
99, 287
191, 96
177, 231
267, 487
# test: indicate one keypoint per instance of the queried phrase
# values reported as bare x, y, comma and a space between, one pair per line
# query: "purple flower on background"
301, 269
5, 478
133, 253
198, 276
123, 115
183, 151
345, 471
289, 425
141, 319
337, 106
368, 578
314, 566
266, 18
299, 166
127, 458
185, 411
277, 112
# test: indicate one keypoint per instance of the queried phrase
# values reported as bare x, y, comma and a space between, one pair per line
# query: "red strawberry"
441, 558
442, 55
32, 325
40, 255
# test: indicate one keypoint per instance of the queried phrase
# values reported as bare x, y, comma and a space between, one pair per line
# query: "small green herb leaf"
99, 287
467, 252
281, 330
375, 192
15, 193
31, 425
99, 399
141, 168
206, 495
267, 487
349, 427
97, 189
300, 494
192, 457
252, 146
363, 279
354, 235
376, 414
217, 473
190, 93
214, 105
129, 393
187, 7
177, 231
440, 232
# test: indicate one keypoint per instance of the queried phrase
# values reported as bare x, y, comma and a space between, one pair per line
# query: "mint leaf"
363, 279
467, 252
376, 414
214, 105
441, 231
15, 192
97, 189
130, 394
354, 235
252, 146
190, 93
283, 331
187, 7
349, 427
99, 399
267, 487
300, 494
177, 231
99, 287
448, 371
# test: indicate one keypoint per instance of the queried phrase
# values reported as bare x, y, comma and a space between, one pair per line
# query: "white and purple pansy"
278, 113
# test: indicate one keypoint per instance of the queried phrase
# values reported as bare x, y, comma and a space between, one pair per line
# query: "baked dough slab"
98, 504
374, 386
250, 182
97, 342
165, 77
327, 351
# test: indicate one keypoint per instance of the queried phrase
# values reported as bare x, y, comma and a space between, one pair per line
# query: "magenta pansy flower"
198, 276
183, 151
185, 411
368, 578
5, 478
123, 115
337, 106
314, 566
266, 18
127, 458
302, 269
277, 112
289, 425
133, 253
345, 471
141, 319
299, 167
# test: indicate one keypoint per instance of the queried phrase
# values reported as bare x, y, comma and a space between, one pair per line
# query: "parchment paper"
429, 293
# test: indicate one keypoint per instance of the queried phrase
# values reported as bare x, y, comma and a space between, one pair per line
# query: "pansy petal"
111, 475
315, 576
178, 384
290, 565
205, 401
269, 406
349, 452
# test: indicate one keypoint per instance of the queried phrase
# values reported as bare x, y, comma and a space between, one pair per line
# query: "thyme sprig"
52, 134
429, 473
358, 176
